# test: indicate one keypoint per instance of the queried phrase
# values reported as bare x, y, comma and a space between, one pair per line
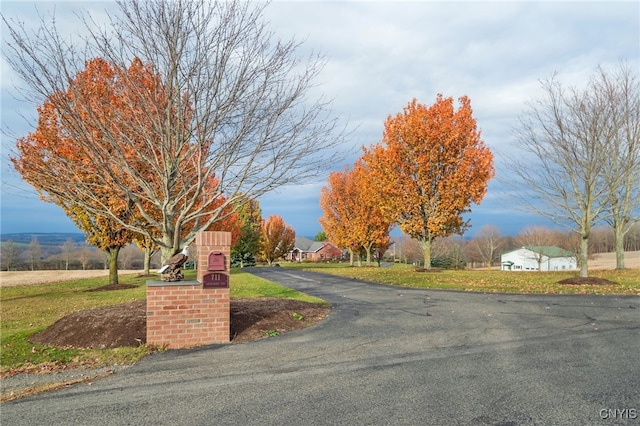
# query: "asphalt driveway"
385, 355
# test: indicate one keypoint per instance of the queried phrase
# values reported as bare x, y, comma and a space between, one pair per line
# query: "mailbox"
216, 261
216, 265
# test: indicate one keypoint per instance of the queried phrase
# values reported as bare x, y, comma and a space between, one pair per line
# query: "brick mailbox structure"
190, 313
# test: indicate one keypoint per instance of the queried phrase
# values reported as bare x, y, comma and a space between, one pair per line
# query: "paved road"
385, 355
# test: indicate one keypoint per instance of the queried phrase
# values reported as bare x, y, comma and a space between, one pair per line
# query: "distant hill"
44, 238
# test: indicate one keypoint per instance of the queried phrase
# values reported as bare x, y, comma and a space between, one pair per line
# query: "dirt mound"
106, 327
586, 281
253, 319
126, 324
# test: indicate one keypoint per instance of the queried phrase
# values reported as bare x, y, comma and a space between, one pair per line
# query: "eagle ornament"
172, 269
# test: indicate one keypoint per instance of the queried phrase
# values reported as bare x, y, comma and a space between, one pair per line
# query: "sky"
379, 56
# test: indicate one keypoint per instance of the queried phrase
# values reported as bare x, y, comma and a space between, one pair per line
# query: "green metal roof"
550, 251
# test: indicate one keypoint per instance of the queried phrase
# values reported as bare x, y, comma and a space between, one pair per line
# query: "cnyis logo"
619, 413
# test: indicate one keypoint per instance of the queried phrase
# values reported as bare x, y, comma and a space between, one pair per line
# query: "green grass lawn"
247, 285
26, 310
627, 281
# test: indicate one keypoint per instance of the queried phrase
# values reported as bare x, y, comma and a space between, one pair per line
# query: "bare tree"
563, 150
131, 255
236, 106
67, 249
9, 254
601, 240
85, 255
487, 243
34, 252
410, 251
621, 92
449, 253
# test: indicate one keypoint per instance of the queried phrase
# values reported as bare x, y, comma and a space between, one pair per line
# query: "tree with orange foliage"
58, 159
351, 215
51, 161
213, 93
228, 221
335, 200
277, 239
92, 153
372, 226
430, 166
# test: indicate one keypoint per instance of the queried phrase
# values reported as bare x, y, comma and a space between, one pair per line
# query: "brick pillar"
207, 242
184, 314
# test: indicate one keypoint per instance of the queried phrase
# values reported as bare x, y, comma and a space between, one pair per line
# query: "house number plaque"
215, 280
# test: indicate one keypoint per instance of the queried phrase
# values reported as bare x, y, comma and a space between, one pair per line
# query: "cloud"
298, 205
380, 55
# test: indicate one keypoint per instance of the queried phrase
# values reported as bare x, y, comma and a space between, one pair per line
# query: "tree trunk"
112, 253
147, 259
584, 255
351, 257
165, 253
168, 249
367, 248
426, 248
619, 243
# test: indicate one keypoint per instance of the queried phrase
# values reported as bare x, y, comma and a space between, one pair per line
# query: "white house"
542, 258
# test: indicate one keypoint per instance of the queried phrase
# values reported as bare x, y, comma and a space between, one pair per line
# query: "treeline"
70, 255
253, 240
450, 253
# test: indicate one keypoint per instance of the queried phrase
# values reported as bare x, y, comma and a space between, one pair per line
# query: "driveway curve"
385, 355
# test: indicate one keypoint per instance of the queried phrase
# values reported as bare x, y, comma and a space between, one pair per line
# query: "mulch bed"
587, 281
126, 324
